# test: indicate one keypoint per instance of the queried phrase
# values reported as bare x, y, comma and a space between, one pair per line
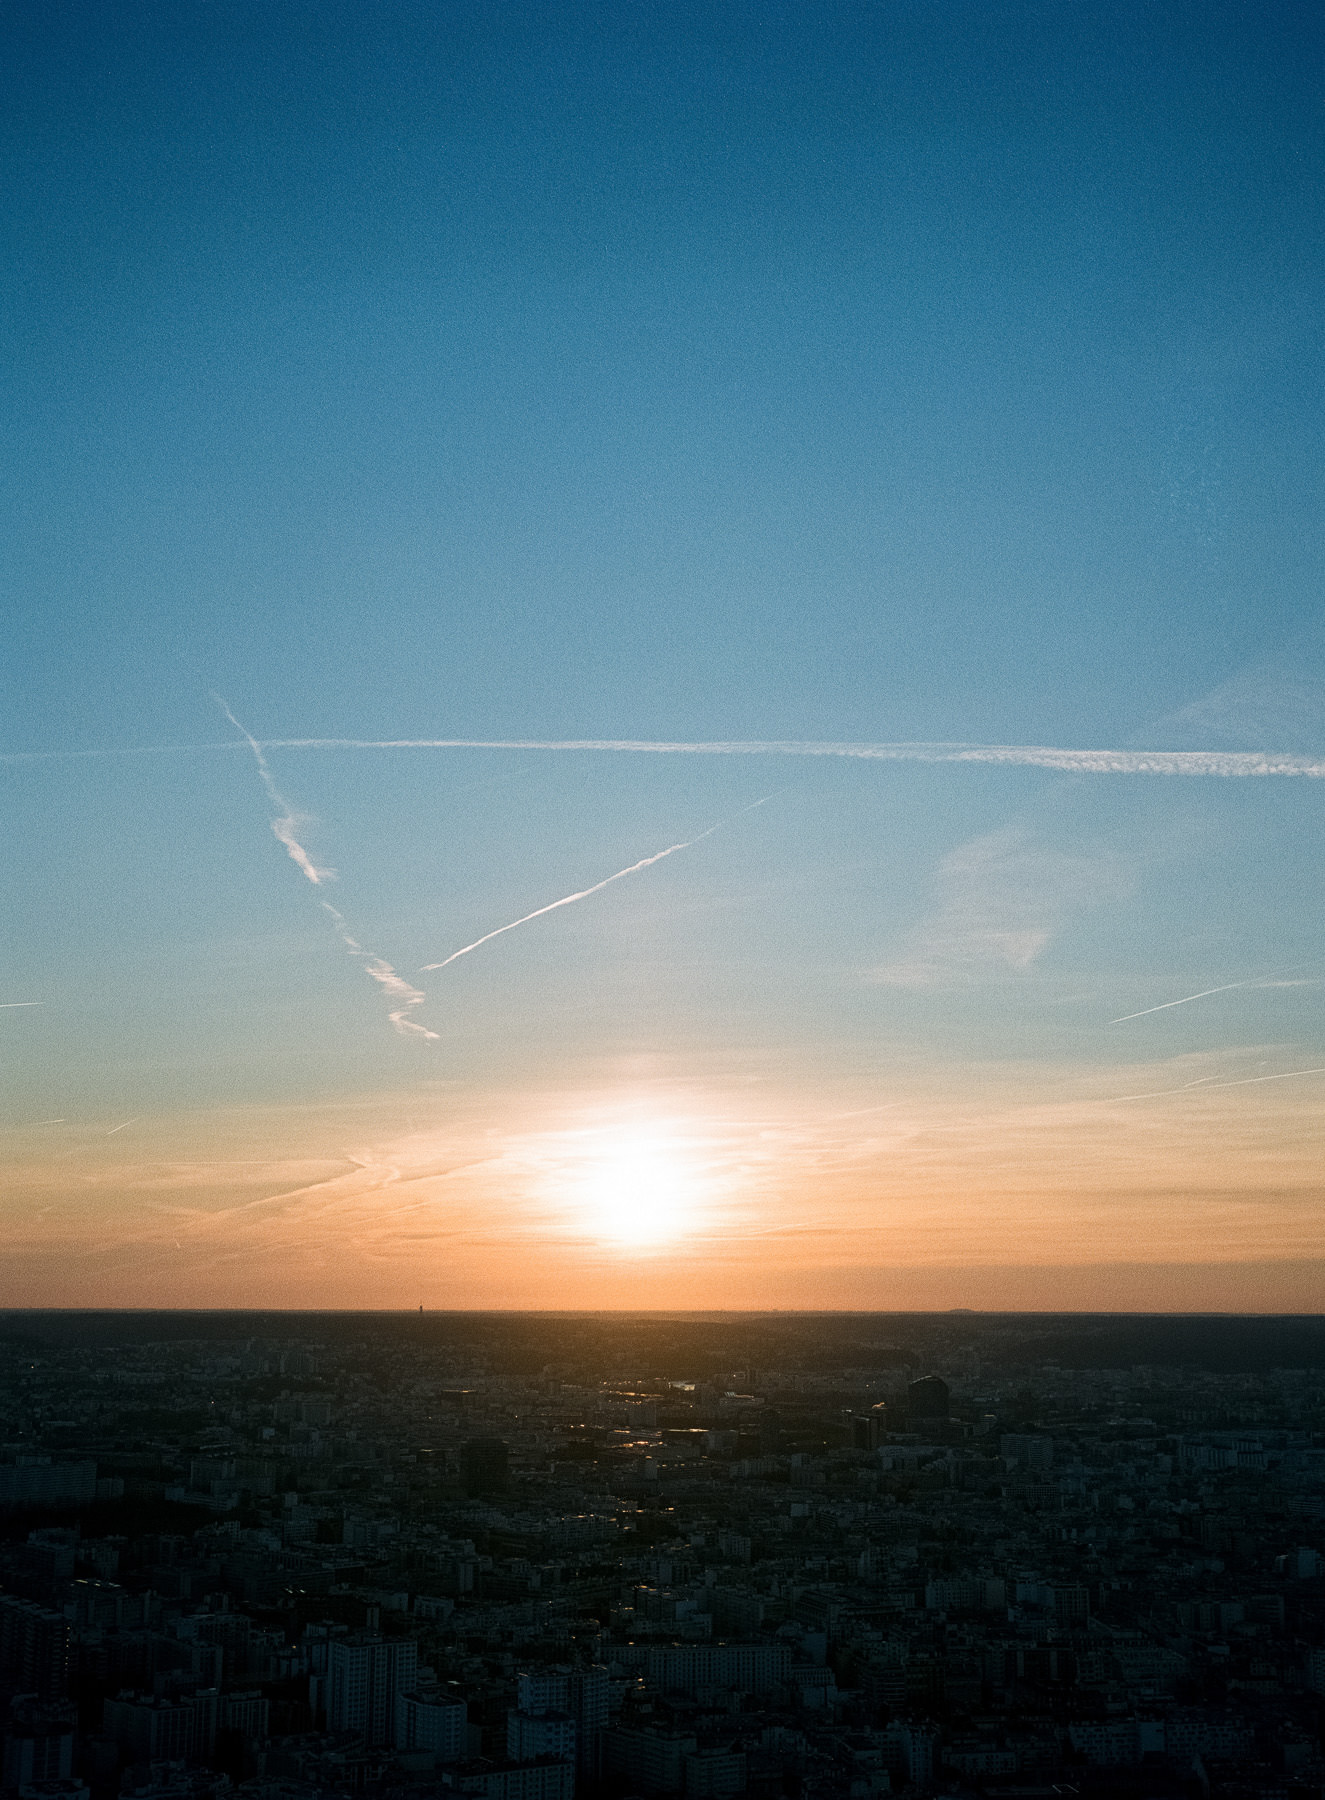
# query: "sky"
462, 458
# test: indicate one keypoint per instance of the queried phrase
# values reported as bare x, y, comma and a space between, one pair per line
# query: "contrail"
8, 1003
1209, 1081
1204, 994
125, 1126
1223, 763
569, 900
381, 971
1228, 988
395, 986
646, 862
284, 825
1041, 756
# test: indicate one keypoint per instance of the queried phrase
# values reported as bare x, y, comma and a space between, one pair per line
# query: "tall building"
649, 1759
927, 1400
712, 1774
148, 1728
531, 1735
245, 1714
428, 1720
37, 1481
38, 1745
870, 1429
582, 1694
34, 1648
365, 1674
909, 1749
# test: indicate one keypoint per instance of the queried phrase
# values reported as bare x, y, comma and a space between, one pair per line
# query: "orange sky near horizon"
991, 1186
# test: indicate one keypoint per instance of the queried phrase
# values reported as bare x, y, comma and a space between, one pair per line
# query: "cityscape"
662, 729
825, 1558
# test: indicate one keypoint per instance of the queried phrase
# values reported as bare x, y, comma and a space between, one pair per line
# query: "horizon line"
673, 1312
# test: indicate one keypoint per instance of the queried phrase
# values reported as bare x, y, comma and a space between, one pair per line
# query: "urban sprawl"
402, 1558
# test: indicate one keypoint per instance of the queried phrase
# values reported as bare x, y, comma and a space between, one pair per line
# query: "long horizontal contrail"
4, 1004
1039, 756
645, 862
1224, 763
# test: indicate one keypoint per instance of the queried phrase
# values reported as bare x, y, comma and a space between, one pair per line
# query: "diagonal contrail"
1210, 1082
392, 984
645, 862
284, 825
1204, 994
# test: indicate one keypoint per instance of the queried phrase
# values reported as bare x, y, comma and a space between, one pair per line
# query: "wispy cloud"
393, 985
287, 820
645, 862
1208, 1081
1001, 896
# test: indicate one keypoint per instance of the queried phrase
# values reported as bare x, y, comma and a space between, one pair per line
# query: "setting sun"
639, 1192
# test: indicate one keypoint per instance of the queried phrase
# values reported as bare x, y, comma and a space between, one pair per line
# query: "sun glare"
638, 1193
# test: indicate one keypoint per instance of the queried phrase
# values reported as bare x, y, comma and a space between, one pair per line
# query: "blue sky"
874, 372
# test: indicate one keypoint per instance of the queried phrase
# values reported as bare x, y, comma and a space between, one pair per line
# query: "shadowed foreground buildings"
307, 1559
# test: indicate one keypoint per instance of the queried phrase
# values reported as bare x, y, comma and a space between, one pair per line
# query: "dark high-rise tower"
927, 1400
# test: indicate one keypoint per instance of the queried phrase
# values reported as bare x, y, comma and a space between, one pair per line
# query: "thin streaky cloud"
285, 824
1287, 1075
645, 862
1186, 1000
23, 756
568, 900
5, 1004
393, 985
1228, 988
381, 971
1159, 1093
1209, 1081
125, 1126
